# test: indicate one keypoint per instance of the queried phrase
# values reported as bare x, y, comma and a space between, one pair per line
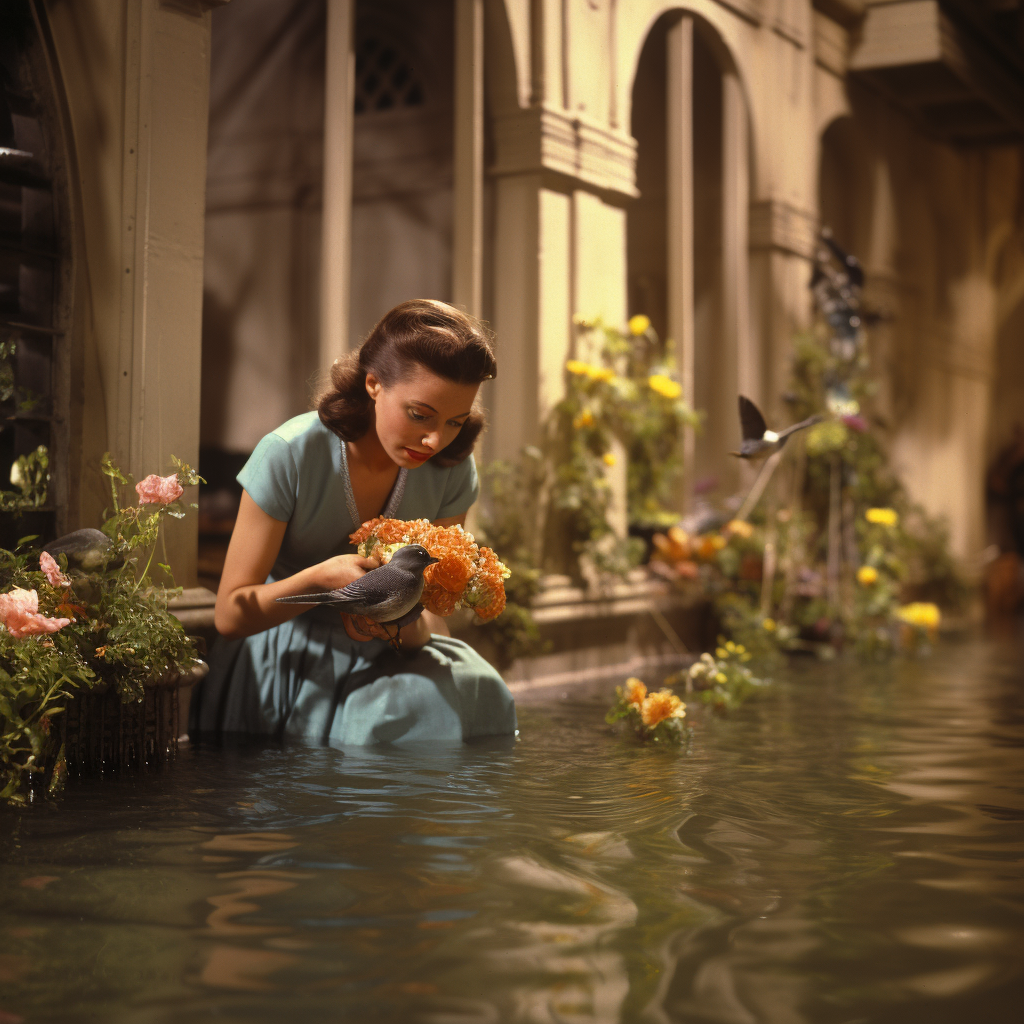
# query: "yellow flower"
601, 373
920, 613
585, 419
656, 707
866, 575
882, 516
721, 652
608, 459
769, 624
664, 386
639, 324
719, 677
578, 368
739, 528
635, 691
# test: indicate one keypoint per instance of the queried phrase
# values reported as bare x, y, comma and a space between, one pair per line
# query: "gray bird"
86, 549
758, 441
385, 594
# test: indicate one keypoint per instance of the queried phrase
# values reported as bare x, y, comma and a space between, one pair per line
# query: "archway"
691, 125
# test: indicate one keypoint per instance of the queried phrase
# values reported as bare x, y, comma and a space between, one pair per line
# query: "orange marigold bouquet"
464, 575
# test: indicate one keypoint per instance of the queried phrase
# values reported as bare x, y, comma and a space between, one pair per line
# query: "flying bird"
385, 594
758, 441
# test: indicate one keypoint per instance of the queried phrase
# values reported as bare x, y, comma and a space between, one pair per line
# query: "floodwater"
848, 847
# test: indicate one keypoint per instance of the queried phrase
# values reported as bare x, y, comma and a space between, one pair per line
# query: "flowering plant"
465, 574
89, 617
723, 679
655, 716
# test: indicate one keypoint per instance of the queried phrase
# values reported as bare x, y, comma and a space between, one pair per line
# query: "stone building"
238, 190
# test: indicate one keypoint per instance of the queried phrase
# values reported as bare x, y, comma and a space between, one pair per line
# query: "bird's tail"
802, 425
327, 597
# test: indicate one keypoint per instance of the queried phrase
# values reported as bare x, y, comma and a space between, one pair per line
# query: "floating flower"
920, 613
639, 324
636, 691
664, 386
882, 516
578, 368
51, 570
601, 373
656, 707
580, 320
608, 459
866, 575
738, 528
857, 423
585, 419
770, 625
159, 490
19, 612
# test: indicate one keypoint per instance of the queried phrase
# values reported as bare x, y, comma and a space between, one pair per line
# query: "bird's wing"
809, 422
751, 420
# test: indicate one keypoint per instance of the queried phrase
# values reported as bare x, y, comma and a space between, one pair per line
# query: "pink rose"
159, 490
19, 612
51, 570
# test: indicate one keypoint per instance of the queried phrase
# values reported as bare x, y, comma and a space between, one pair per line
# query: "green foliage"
121, 635
31, 475
509, 511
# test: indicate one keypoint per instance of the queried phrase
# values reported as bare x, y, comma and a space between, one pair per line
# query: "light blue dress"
307, 678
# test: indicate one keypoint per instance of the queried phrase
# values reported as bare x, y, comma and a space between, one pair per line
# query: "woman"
392, 435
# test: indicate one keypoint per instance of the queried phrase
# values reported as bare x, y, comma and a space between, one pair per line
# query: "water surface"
848, 847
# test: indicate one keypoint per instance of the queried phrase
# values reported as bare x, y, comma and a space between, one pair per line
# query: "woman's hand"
341, 570
412, 637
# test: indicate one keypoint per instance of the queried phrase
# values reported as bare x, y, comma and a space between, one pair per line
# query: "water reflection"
848, 847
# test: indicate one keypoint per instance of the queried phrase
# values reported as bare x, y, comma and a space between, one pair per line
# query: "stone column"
679, 146
336, 245
162, 207
742, 359
468, 232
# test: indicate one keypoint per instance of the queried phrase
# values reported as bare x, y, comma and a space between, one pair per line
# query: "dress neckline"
394, 498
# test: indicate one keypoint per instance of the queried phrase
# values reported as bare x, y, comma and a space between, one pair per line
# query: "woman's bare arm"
245, 604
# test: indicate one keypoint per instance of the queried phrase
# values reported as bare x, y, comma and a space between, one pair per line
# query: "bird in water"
758, 441
388, 595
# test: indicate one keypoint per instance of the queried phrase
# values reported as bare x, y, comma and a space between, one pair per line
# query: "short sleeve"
271, 477
461, 490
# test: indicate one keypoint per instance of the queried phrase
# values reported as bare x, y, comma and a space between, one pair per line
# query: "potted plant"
91, 659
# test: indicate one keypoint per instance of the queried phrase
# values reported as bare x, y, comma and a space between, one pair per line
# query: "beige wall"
136, 76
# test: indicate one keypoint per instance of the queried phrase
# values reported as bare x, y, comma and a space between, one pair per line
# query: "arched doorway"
687, 252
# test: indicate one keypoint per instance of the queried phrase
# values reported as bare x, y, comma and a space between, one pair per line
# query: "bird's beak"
433, 560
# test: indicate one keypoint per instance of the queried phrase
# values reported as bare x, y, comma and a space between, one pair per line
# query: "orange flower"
437, 599
635, 691
656, 707
709, 546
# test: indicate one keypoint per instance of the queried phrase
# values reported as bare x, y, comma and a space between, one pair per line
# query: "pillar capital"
544, 139
776, 224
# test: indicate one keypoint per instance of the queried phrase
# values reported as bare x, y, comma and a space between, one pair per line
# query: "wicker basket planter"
100, 732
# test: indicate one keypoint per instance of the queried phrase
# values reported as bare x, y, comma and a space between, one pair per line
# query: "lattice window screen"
386, 79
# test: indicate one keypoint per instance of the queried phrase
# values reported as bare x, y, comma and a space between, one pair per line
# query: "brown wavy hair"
423, 332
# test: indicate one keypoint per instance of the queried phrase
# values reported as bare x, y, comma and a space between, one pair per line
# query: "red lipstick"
417, 456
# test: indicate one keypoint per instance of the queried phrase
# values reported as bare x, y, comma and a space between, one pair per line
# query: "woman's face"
420, 415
